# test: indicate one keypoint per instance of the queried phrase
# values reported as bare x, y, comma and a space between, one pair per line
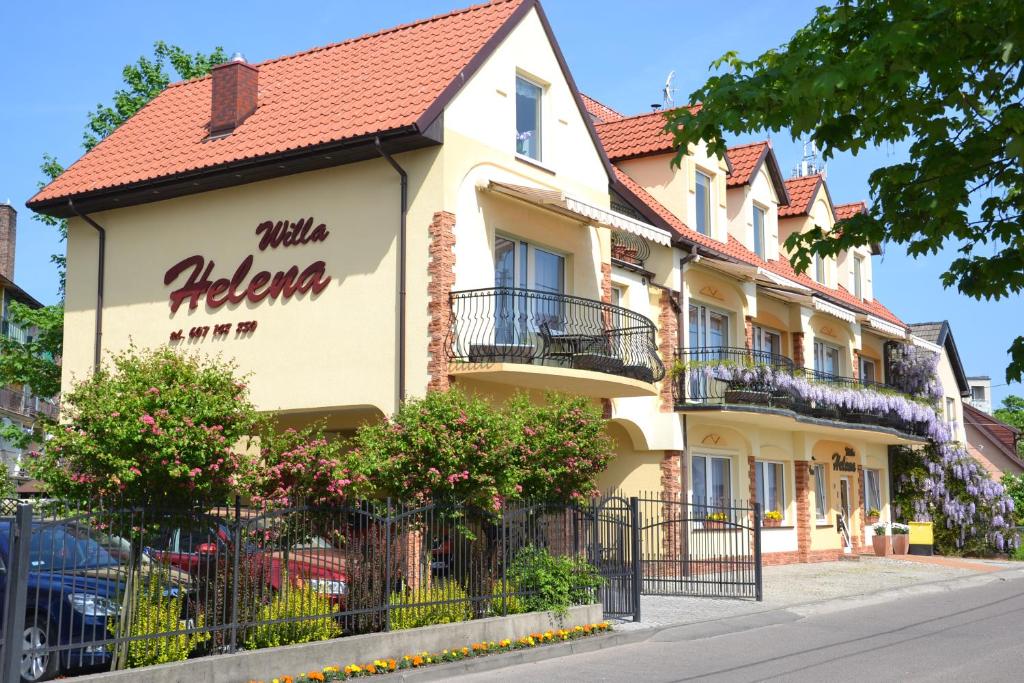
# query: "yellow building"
437, 205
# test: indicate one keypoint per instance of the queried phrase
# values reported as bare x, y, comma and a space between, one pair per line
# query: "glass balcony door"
521, 265
826, 359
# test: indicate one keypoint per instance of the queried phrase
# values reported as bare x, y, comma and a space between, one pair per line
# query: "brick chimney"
234, 94
8, 233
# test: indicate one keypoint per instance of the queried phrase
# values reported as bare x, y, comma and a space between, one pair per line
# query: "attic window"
528, 131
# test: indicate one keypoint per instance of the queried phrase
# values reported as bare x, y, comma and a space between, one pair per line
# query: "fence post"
638, 566
504, 564
235, 552
17, 594
758, 588
387, 567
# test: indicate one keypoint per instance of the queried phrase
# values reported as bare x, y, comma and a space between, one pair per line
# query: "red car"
198, 549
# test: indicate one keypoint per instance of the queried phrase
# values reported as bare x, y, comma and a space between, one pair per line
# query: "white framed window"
771, 487
712, 479
826, 358
950, 410
858, 276
819, 269
820, 494
759, 238
766, 342
868, 371
978, 393
528, 118
702, 190
520, 265
872, 490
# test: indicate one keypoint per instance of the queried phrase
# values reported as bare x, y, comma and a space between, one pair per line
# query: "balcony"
13, 331
18, 402
756, 381
536, 339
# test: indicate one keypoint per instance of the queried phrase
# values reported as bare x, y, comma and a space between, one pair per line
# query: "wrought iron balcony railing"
739, 376
22, 403
513, 325
14, 331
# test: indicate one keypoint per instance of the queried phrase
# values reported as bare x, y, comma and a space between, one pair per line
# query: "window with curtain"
771, 490
528, 100
819, 269
759, 231
872, 490
703, 203
820, 494
826, 358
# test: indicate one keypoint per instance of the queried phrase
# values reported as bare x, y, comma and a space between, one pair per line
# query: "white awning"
781, 281
577, 208
925, 344
833, 310
884, 327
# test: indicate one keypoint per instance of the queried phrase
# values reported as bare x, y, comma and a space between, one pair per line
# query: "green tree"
152, 427
945, 75
1012, 413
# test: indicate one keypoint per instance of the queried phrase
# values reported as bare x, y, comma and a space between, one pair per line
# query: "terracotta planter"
900, 544
771, 522
871, 520
713, 524
880, 545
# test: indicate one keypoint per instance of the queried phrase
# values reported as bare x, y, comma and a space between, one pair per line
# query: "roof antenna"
666, 93
809, 164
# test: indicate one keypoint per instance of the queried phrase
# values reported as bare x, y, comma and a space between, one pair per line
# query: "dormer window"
703, 203
528, 131
858, 276
819, 269
759, 240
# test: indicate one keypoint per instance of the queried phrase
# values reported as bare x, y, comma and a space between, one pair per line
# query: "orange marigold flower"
417, 660
392, 664
315, 676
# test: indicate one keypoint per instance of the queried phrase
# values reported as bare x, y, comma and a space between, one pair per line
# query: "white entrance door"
844, 509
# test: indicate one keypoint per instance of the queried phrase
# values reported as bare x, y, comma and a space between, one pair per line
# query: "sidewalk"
795, 584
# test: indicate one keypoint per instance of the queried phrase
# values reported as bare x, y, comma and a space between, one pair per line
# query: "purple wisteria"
953, 488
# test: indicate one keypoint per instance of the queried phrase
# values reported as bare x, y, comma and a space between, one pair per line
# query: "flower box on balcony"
747, 396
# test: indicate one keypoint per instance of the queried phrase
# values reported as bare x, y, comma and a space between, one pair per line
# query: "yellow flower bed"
415, 661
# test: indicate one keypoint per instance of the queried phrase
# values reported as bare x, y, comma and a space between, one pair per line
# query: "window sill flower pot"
880, 544
713, 524
900, 544
767, 523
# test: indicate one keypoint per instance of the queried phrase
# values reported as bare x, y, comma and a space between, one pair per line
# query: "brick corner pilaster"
798, 349
606, 283
803, 510
748, 332
440, 281
668, 331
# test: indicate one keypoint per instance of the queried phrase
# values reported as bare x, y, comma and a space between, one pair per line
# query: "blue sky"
58, 62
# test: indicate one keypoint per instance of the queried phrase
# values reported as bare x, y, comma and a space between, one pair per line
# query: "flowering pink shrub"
151, 427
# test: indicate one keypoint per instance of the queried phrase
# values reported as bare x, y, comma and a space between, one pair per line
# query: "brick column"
752, 477
668, 341
798, 349
803, 509
440, 280
748, 332
606, 283
672, 493
856, 364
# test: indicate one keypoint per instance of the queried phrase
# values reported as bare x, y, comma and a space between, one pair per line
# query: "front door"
844, 507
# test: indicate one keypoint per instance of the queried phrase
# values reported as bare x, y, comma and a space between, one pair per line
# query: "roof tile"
844, 211
801, 193
634, 136
744, 160
598, 111
371, 84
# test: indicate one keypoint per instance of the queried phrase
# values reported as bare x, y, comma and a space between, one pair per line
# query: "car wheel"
41, 666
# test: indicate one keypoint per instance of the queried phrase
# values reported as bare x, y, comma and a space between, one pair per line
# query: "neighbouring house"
938, 338
993, 443
18, 405
981, 392
437, 205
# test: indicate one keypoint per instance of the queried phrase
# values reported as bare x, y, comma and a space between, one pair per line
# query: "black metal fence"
122, 587
512, 325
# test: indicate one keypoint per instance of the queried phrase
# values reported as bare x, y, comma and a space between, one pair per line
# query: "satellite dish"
666, 93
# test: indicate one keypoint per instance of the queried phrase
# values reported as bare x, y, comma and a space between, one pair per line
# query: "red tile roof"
600, 112
801, 191
745, 159
734, 248
635, 136
375, 83
844, 211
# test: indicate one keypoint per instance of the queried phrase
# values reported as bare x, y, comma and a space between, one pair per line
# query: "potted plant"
772, 518
872, 516
900, 539
880, 542
715, 520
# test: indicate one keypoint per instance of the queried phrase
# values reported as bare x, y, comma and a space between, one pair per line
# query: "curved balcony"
771, 384
528, 337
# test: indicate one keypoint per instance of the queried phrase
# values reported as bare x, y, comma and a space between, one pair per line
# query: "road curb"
742, 621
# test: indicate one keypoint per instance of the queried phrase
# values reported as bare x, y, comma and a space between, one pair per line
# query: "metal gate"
708, 549
614, 549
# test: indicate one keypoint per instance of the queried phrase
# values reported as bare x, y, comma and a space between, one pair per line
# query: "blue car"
75, 587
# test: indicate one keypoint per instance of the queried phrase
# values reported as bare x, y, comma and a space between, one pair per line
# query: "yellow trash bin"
921, 538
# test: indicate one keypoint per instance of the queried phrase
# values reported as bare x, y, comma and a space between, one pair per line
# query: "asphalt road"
970, 634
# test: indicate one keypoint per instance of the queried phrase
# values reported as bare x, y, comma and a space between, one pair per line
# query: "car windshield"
57, 547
